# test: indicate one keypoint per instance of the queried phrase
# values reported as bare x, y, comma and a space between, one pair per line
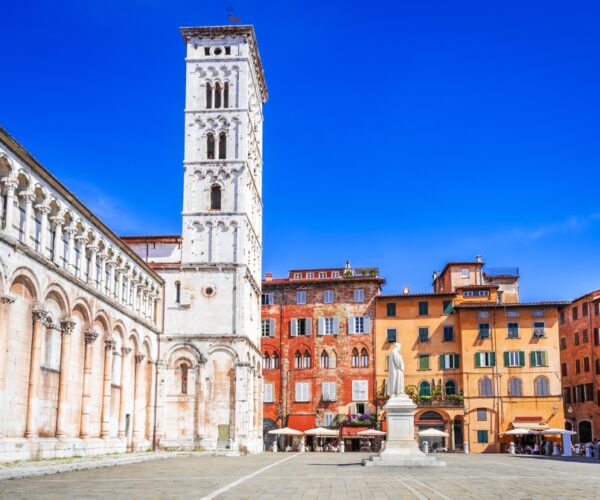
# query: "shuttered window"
448, 333
328, 391
482, 437
513, 330
268, 327
268, 393
485, 359
302, 392
391, 335
328, 325
359, 295
538, 358
423, 361
514, 359
359, 324
328, 297
423, 334
360, 390
449, 361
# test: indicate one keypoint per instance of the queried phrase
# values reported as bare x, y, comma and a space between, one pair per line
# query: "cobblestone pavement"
320, 476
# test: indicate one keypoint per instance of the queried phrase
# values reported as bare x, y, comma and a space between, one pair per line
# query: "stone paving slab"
321, 476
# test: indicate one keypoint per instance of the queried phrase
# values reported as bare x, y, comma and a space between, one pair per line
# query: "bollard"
466, 448
274, 446
511, 448
556, 450
342, 446
425, 447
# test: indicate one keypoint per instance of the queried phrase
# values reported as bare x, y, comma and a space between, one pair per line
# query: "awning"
531, 423
353, 431
320, 431
552, 431
301, 422
433, 433
285, 431
371, 432
520, 432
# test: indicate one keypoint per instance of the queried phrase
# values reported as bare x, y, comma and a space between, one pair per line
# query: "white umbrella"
370, 432
433, 433
286, 431
521, 432
321, 431
552, 431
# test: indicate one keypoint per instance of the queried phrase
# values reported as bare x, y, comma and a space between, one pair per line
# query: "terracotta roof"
409, 295
508, 305
597, 297
467, 287
317, 281
152, 239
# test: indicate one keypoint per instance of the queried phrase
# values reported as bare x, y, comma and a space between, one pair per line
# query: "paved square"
320, 476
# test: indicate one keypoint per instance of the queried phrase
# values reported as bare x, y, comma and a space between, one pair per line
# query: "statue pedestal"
401, 449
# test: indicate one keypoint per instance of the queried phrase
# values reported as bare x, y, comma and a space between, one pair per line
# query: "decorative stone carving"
125, 351
139, 358
90, 336
40, 316
6, 300
68, 326
109, 345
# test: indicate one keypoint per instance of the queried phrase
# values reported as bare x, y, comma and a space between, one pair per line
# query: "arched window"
297, 360
275, 361
306, 360
541, 386
424, 388
431, 415
215, 198
355, 358
332, 360
226, 95
177, 292
208, 95
515, 387
324, 360
267, 361
184, 377
210, 146
222, 146
485, 387
450, 387
364, 358
217, 95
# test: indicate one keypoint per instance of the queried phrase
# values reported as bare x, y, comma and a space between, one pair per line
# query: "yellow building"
476, 365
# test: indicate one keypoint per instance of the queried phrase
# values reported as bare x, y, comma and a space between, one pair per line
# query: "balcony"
429, 401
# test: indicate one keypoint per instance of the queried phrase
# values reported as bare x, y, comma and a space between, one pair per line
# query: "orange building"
580, 365
478, 362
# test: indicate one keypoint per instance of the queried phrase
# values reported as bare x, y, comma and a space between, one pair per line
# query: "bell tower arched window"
217, 95
210, 147
222, 146
184, 377
215, 198
177, 292
226, 95
208, 96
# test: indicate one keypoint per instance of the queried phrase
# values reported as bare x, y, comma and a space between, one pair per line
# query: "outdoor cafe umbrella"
370, 432
321, 431
286, 431
521, 432
552, 431
433, 433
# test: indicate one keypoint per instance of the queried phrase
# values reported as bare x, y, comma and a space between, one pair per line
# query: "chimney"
478, 259
405, 290
269, 277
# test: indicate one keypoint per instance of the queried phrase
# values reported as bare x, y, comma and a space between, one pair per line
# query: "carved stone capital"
6, 300
58, 220
81, 239
90, 336
139, 358
125, 351
27, 196
109, 345
10, 183
92, 248
40, 316
70, 230
68, 326
43, 209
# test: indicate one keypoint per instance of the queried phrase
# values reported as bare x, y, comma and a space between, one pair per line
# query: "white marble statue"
395, 373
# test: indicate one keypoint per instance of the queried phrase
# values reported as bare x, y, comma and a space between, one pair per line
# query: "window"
476, 293
300, 327
567, 395
360, 390
328, 419
482, 437
391, 335
450, 387
297, 276
297, 360
266, 361
447, 307
538, 358
538, 313
541, 386
562, 318
586, 364
266, 299
275, 361
448, 333
302, 391
208, 93
328, 297
512, 313
597, 335
514, 358
481, 414
226, 87
210, 146
485, 387
306, 360
309, 276
563, 370
359, 324
484, 330
423, 361
390, 309
513, 330
184, 378
360, 408
449, 361
301, 297
584, 336
577, 366
598, 366
576, 338
515, 387
485, 359
575, 313
423, 334
563, 343
539, 329
328, 326
217, 95
222, 146
177, 292
324, 360
423, 308
328, 391
215, 198
335, 274
425, 389
364, 358
268, 393
359, 295
355, 358
584, 309
483, 314
464, 272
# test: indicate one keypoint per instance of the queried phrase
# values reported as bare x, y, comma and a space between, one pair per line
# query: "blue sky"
398, 134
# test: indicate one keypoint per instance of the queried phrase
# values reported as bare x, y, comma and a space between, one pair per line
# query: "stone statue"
395, 373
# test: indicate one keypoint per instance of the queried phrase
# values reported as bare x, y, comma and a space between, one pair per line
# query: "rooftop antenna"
231, 18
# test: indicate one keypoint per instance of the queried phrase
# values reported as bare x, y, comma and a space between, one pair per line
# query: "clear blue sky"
399, 134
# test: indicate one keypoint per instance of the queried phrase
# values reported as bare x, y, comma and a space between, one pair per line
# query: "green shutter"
492, 359
456, 361
521, 358
477, 362
441, 361
506, 358
545, 362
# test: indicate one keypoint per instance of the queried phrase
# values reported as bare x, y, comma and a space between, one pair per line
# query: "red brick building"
579, 330
318, 346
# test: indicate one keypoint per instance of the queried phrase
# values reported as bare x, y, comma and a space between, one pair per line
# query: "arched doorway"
568, 425
457, 429
585, 431
268, 425
432, 420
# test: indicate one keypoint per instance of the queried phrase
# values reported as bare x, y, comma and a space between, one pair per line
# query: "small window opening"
207, 51
228, 50
226, 95
208, 95
177, 292
222, 146
217, 95
210, 147
215, 198
184, 378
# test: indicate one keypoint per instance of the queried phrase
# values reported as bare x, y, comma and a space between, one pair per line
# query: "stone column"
62, 415
58, 223
101, 278
10, 184
138, 397
89, 338
5, 302
111, 277
44, 210
122, 399
92, 274
120, 278
39, 322
71, 249
82, 240
28, 197
109, 345
149, 400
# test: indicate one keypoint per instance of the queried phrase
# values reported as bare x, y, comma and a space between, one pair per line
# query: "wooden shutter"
268, 393
320, 326
293, 327
532, 358
351, 325
521, 358
442, 362
492, 359
308, 325
271, 328
506, 358
477, 360
336, 325
456, 361
367, 324
545, 362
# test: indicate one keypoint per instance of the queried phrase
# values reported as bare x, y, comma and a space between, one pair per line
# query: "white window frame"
485, 359
483, 314
268, 393
328, 391
360, 390
301, 297
465, 273
269, 299
297, 276
448, 361
322, 275
302, 392
539, 331
328, 418
328, 326
328, 297
310, 276
512, 356
359, 295
335, 274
